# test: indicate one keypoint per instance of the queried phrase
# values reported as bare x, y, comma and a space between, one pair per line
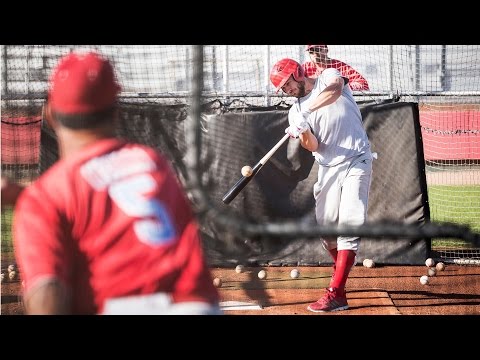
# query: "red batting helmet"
282, 70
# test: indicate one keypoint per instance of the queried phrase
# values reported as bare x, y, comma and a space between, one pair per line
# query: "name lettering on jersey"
104, 170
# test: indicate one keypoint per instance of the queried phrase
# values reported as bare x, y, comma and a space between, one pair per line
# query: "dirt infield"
388, 290
383, 290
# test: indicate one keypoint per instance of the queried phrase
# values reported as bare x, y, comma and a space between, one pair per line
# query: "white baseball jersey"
338, 127
345, 159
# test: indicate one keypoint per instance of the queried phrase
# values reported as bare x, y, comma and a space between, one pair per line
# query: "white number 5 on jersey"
154, 226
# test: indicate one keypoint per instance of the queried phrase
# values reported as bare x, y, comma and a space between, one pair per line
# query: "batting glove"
295, 131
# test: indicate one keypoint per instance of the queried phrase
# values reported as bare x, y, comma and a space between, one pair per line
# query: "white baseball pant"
341, 197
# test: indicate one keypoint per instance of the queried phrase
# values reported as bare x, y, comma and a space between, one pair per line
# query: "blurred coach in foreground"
107, 229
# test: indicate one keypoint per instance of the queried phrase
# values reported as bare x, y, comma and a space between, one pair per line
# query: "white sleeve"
293, 112
329, 74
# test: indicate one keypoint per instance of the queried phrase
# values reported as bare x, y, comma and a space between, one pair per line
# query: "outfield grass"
454, 204
6, 237
458, 204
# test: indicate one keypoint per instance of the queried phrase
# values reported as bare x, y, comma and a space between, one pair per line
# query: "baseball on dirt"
262, 274
247, 171
11, 268
294, 274
12, 275
239, 269
369, 263
440, 266
429, 262
424, 280
432, 271
217, 282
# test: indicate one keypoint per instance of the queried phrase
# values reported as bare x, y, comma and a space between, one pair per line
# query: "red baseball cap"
82, 84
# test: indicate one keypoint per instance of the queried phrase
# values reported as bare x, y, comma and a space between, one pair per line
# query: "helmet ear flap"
299, 75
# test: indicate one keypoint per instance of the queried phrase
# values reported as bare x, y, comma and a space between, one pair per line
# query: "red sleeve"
355, 79
310, 69
39, 239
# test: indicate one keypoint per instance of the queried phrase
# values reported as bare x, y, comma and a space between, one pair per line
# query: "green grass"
7, 215
454, 204
458, 204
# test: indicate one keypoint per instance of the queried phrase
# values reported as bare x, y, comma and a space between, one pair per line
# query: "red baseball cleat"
333, 300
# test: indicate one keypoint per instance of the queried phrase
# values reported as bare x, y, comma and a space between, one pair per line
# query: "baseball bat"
244, 180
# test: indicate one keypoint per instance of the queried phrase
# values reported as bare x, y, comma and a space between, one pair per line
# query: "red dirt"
383, 290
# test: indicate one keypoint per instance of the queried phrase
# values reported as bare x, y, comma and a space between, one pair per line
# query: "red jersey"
355, 79
111, 221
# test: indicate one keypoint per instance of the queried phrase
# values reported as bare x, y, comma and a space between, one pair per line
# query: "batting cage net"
212, 110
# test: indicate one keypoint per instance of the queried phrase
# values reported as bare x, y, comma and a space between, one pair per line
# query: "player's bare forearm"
47, 299
308, 141
329, 95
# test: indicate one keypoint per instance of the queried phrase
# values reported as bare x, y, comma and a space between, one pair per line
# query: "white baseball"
440, 266
11, 268
432, 271
262, 274
294, 274
429, 262
2, 277
12, 275
217, 282
424, 280
369, 263
247, 171
239, 269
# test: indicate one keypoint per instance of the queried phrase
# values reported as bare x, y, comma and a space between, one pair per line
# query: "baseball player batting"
327, 121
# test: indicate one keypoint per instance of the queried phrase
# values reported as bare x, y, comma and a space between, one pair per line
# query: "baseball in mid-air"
294, 274
247, 171
430, 262
432, 271
424, 280
440, 266
239, 269
369, 263
262, 274
217, 282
